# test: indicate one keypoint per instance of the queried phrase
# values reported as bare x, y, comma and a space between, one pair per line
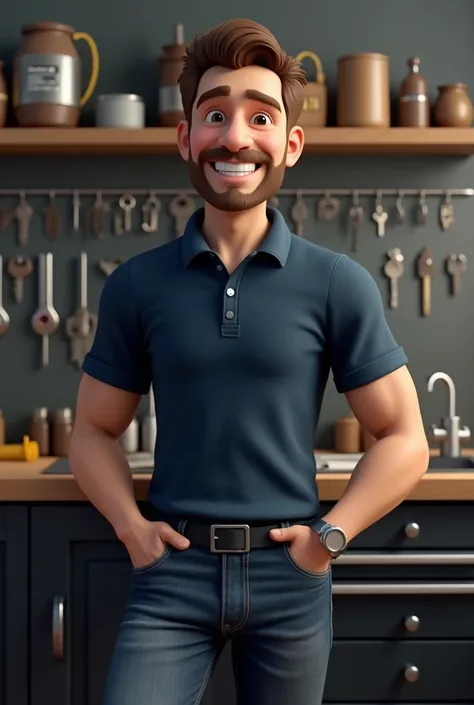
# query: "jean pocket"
154, 564
301, 569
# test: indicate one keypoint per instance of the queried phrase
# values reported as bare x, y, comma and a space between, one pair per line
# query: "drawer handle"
412, 623
58, 628
411, 673
412, 530
403, 588
405, 558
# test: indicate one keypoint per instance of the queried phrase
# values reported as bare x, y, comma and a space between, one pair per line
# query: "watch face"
335, 540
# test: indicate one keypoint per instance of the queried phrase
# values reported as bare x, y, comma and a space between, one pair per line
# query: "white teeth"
233, 168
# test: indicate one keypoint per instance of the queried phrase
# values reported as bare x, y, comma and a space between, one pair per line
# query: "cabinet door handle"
405, 558
403, 588
58, 628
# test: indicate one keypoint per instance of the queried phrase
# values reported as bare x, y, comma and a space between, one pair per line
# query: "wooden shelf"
162, 140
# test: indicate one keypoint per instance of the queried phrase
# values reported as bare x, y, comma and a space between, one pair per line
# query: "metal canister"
363, 90
39, 430
62, 431
129, 438
122, 110
315, 104
170, 66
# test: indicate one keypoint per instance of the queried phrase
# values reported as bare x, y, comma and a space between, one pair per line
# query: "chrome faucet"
449, 434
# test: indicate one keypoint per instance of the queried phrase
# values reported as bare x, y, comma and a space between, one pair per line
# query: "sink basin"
444, 462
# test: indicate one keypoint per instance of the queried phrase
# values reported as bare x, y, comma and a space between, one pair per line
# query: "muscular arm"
97, 461
388, 409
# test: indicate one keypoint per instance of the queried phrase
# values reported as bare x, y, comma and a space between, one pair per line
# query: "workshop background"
130, 38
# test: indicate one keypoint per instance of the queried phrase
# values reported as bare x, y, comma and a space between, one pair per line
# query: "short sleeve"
361, 345
118, 356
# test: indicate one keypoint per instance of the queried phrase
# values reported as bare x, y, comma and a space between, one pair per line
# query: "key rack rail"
376, 192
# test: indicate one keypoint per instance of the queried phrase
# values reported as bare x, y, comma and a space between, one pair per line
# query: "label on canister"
47, 78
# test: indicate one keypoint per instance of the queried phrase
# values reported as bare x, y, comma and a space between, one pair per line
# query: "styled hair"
235, 44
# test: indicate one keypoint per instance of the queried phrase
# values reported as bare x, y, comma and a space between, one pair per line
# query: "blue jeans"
187, 604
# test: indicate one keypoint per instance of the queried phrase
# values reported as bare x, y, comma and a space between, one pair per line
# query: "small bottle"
413, 103
62, 430
40, 430
2, 429
129, 438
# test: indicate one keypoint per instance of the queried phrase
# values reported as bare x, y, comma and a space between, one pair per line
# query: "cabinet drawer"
435, 525
380, 671
403, 617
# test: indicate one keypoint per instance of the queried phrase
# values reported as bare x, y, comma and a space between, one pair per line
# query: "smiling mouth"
234, 169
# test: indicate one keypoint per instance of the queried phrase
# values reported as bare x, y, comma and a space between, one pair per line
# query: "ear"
183, 139
295, 145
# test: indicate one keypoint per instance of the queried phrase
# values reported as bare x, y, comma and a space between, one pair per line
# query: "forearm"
382, 479
102, 472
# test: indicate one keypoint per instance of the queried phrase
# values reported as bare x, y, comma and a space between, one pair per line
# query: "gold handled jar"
314, 111
363, 91
47, 76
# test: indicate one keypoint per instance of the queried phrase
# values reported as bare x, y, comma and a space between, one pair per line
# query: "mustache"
222, 154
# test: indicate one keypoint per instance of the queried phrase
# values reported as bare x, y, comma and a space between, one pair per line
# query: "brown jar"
39, 430
2, 429
413, 103
3, 96
47, 76
453, 107
347, 435
62, 430
363, 91
170, 65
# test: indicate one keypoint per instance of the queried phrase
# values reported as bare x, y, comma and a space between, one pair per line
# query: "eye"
261, 119
214, 116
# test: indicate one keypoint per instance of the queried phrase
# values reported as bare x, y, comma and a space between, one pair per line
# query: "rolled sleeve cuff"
113, 376
389, 362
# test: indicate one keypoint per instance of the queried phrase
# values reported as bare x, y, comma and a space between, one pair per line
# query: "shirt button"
229, 314
230, 292
219, 267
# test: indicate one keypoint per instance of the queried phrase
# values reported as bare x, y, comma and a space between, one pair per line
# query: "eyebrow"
250, 94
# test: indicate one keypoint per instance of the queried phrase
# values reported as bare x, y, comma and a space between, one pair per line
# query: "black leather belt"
230, 538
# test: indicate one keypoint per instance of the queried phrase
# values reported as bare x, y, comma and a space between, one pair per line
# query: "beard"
233, 200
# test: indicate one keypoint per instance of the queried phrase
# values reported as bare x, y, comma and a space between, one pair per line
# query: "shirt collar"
276, 243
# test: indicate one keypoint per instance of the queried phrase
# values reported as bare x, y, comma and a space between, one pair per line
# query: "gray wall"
437, 30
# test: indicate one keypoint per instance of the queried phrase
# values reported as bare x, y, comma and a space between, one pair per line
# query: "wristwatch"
332, 537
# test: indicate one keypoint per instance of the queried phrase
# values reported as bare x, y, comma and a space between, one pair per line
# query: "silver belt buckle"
244, 527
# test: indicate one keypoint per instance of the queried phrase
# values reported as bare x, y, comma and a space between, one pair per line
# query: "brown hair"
235, 44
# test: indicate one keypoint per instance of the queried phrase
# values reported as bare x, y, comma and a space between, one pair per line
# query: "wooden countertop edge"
25, 482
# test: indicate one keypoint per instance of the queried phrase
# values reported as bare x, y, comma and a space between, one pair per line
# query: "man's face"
237, 148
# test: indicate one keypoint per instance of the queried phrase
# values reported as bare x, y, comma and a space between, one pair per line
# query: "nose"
236, 134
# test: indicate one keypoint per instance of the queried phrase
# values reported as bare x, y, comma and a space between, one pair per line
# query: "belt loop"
182, 526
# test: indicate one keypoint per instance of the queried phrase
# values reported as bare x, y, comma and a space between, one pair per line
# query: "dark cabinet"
13, 605
80, 582
402, 596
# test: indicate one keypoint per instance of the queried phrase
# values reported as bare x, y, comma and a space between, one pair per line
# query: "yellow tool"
28, 450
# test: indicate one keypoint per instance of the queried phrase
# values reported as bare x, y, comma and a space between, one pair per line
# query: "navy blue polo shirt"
239, 365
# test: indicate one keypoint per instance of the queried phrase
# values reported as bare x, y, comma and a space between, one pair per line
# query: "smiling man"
237, 325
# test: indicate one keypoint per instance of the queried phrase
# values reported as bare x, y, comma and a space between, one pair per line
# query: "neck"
235, 235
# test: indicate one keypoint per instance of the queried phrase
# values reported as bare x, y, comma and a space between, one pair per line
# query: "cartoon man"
237, 326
